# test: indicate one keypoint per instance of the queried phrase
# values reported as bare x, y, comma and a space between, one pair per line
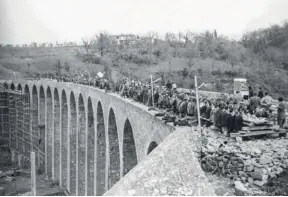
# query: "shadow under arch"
73, 132
129, 149
6, 86
64, 138
101, 151
114, 164
12, 86
42, 125
151, 147
91, 149
49, 115
81, 145
56, 134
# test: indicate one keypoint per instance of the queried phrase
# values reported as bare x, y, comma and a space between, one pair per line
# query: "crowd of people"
225, 112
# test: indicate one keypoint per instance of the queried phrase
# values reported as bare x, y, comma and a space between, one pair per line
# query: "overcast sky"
23, 21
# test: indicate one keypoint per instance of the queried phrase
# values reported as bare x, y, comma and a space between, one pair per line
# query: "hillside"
261, 57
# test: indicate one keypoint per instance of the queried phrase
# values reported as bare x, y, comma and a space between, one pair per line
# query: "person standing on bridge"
251, 92
281, 112
260, 93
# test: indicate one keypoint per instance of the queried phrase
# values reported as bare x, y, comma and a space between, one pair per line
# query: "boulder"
256, 151
256, 176
243, 178
258, 170
250, 168
283, 165
250, 180
240, 186
272, 174
259, 183
279, 170
265, 160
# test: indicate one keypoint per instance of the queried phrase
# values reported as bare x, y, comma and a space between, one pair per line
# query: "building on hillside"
124, 39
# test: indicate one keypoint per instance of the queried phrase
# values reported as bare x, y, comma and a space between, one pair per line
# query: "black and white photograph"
143, 97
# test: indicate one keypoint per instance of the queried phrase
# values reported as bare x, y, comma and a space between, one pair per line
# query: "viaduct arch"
75, 128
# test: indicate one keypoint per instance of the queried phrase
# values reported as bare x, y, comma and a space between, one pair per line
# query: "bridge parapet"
170, 169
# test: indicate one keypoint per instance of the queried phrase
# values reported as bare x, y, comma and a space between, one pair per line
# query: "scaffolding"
4, 118
15, 124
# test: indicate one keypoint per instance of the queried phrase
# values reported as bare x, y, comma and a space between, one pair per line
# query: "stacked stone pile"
264, 159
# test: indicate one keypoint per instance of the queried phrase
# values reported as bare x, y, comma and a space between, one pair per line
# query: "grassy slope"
42, 59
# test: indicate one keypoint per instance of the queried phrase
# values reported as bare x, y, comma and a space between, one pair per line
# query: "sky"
24, 21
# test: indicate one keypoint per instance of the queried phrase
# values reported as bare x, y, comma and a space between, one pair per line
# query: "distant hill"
260, 56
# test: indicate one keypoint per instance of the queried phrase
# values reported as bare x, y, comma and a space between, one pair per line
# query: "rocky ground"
265, 159
17, 182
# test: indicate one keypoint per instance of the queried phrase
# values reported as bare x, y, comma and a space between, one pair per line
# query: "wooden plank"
254, 133
256, 128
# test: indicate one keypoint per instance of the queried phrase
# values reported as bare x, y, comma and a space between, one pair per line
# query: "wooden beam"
255, 133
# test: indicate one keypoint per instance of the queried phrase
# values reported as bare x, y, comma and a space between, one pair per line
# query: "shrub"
230, 73
185, 72
216, 73
219, 86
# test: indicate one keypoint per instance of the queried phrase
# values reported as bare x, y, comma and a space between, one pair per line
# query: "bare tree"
102, 42
151, 37
87, 44
170, 38
192, 54
188, 37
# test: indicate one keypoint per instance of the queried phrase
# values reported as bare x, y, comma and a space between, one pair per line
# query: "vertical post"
33, 174
152, 91
13, 157
20, 160
197, 100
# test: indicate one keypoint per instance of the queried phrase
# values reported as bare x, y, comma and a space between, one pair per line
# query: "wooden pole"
152, 91
197, 100
33, 174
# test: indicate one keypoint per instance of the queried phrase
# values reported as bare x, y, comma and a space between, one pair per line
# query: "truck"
240, 84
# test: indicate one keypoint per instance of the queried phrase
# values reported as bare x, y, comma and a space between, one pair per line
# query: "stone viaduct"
84, 138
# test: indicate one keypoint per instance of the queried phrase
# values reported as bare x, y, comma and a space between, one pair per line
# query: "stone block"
259, 183
257, 165
250, 168
239, 139
258, 170
256, 176
250, 180
279, 170
265, 160
242, 174
272, 174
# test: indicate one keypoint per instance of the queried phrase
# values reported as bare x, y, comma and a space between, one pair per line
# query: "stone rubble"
264, 159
